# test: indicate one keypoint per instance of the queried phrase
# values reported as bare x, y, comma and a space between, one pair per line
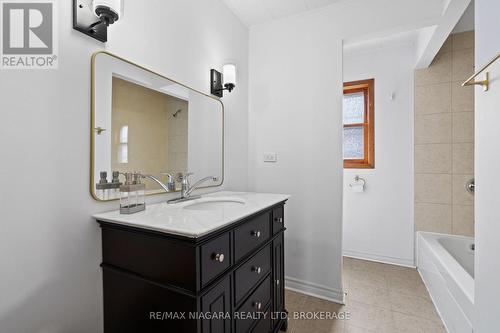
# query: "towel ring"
358, 179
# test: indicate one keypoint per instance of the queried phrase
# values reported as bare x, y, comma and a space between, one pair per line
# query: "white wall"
296, 111
487, 164
49, 244
378, 224
487, 20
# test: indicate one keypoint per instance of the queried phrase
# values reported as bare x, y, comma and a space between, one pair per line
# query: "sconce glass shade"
114, 5
229, 72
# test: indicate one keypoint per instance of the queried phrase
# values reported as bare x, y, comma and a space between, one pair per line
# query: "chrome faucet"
187, 189
169, 187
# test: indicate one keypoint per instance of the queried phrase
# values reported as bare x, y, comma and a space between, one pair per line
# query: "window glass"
123, 147
354, 108
354, 142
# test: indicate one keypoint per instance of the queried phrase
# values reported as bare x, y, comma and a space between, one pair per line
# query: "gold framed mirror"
142, 121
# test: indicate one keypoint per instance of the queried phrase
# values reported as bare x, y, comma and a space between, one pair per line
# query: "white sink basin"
215, 204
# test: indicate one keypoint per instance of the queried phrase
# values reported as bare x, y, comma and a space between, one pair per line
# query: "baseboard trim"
315, 290
379, 258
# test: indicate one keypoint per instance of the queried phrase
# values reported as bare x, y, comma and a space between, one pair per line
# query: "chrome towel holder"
358, 179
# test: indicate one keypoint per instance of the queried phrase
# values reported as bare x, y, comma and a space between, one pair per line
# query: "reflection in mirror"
146, 123
142, 119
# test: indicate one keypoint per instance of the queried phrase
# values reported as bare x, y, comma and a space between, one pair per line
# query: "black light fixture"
220, 82
93, 17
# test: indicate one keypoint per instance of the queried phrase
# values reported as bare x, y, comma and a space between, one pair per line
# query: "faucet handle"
186, 175
169, 175
170, 182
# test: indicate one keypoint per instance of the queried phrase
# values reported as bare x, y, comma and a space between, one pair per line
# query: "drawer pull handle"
257, 270
278, 219
256, 233
257, 305
277, 282
219, 257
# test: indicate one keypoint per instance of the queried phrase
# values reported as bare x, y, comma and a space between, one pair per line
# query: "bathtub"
446, 264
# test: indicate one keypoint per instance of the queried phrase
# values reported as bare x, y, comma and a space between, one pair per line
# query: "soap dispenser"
108, 190
132, 194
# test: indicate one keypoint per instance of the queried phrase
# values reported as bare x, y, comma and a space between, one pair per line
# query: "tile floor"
380, 299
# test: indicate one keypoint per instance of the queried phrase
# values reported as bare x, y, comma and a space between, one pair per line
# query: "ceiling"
252, 12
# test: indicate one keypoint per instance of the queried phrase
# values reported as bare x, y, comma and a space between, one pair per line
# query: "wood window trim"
368, 88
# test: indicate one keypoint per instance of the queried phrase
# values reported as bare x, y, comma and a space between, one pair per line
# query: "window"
359, 138
123, 146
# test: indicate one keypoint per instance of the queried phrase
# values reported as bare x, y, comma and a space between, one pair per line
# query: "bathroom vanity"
210, 265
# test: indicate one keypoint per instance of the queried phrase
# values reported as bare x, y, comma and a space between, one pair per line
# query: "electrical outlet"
271, 157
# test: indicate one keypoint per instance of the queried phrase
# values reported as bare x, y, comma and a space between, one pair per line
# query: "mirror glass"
144, 122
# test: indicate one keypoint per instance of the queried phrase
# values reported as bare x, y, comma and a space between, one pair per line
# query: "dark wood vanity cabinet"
229, 281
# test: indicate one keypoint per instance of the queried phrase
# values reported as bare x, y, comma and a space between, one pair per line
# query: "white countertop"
176, 219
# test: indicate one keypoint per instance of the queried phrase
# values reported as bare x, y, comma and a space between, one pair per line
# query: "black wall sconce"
220, 82
93, 17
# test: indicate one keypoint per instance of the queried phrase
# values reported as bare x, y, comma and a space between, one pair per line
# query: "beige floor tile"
410, 324
381, 299
316, 305
294, 301
318, 326
345, 280
367, 294
354, 329
293, 297
395, 272
413, 306
362, 265
369, 317
348, 264
408, 287
372, 278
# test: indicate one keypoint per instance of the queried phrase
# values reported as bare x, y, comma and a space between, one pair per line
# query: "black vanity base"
231, 280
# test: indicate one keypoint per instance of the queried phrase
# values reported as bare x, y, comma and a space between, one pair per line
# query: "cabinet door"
278, 275
217, 301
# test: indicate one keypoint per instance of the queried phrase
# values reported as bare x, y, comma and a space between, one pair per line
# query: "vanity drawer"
251, 234
215, 258
256, 303
251, 272
264, 325
278, 219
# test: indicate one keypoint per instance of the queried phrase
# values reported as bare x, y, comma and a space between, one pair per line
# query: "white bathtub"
446, 264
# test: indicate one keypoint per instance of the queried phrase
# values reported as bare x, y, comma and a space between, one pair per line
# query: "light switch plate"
271, 157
